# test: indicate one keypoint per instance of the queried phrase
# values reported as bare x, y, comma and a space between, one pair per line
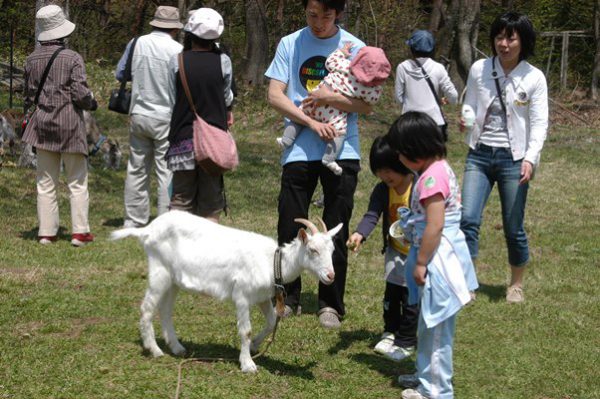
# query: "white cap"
205, 23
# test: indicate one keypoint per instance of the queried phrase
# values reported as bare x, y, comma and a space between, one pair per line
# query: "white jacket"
151, 94
526, 106
413, 92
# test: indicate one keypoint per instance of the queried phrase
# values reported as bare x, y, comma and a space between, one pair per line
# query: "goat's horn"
322, 224
309, 224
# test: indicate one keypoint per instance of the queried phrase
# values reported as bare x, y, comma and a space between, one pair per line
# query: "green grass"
69, 317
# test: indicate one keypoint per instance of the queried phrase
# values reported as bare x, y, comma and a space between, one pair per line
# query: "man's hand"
419, 274
354, 242
319, 97
526, 172
325, 131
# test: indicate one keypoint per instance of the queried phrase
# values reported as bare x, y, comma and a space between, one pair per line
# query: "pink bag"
214, 148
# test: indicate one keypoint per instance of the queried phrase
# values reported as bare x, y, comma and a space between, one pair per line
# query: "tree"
596, 71
467, 29
257, 43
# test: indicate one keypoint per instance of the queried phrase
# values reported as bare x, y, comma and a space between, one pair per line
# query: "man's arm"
282, 104
336, 100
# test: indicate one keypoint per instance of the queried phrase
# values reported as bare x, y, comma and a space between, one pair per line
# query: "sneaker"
289, 311
397, 353
384, 345
80, 239
45, 240
408, 380
329, 318
514, 294
412, 394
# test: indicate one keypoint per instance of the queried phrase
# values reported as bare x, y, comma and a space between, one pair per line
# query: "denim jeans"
484, 167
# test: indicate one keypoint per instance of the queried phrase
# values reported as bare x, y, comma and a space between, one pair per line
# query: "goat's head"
317, 250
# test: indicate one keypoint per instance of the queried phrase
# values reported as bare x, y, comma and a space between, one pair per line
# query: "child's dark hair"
514, 22
421, 54
190, 39
337, 5
416, 136
382, 156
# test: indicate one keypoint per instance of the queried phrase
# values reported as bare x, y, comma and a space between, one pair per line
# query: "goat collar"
279, 288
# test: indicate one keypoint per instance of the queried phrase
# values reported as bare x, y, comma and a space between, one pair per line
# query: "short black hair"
337, 5
190, 38
416, 136
419, 54
382, 156
510, 22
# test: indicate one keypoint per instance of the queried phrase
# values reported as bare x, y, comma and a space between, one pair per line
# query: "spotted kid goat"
193, 253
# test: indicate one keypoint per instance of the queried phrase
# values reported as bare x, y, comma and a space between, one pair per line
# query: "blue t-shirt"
300, 63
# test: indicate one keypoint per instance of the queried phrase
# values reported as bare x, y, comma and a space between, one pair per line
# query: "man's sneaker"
80, 239
514, 294
397, 353
45, 240
386, 342
412, 394
408, 380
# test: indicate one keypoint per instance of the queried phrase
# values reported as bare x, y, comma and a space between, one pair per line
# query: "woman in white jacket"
508, 99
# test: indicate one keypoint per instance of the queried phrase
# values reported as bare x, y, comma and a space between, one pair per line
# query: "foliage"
68, 317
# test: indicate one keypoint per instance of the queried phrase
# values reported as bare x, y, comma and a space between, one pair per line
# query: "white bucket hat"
52, 23
205, 23
166, 17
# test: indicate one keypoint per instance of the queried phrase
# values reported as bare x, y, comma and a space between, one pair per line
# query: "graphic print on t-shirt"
312, 72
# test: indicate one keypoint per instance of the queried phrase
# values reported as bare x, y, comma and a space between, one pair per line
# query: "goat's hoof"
178, 350
156, 352
249, 367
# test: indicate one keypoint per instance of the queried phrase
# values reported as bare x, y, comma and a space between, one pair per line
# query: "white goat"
193, 253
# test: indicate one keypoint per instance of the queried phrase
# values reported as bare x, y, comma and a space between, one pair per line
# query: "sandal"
329, 318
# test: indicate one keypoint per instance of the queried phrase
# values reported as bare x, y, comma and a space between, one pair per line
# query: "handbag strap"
45, 74
495, 76
430, 84
127, 73
184, 83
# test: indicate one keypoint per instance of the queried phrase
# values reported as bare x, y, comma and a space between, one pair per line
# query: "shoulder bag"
444, 127
214, 148
120, 99
29, 114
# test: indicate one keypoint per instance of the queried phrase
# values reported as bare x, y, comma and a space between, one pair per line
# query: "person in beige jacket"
56, 128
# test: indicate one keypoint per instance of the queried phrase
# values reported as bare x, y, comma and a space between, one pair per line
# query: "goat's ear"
303, 236
335, 230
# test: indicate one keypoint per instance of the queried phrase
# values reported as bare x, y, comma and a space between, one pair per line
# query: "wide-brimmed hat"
166, 17
421, 41
205, 23
370, 66
52, 23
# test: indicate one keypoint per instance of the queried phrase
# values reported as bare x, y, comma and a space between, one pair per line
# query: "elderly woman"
508, 99
56, 128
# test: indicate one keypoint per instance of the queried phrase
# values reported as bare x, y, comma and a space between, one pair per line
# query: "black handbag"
120, 99
28, 112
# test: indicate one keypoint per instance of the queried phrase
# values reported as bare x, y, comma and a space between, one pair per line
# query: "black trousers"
399, 317
298, 183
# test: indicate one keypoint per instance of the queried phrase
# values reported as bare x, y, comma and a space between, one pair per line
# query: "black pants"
399, 317
298, 183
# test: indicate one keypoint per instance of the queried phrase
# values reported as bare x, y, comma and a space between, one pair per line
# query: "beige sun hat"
52, 23
166, 17
205, 23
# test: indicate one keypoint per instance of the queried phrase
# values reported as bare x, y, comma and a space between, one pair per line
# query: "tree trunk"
596, 72
467, 28
257, 43
437, 15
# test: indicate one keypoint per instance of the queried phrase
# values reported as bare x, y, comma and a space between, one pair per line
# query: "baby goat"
190, 252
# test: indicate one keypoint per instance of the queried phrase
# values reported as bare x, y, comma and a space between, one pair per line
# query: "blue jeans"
484, 167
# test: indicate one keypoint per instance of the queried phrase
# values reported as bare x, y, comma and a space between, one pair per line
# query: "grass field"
68, 316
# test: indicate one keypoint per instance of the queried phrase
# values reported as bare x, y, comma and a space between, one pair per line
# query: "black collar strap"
277, 271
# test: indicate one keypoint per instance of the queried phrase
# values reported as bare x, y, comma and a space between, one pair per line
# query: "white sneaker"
383, 346
412, 394
397, 353
408, 380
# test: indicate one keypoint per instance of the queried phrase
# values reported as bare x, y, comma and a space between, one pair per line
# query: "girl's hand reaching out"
354, 242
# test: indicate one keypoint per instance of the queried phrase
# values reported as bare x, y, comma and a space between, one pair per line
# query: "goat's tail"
139, 233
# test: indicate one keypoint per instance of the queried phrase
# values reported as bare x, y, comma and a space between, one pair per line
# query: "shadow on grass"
115, 222
384, 366
348, 338
218, 353
32, 235
496, 293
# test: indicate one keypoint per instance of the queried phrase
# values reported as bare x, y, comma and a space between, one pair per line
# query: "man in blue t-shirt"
296, 70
